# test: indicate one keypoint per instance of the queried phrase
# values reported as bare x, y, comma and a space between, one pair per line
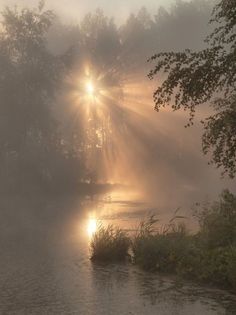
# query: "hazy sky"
74, 9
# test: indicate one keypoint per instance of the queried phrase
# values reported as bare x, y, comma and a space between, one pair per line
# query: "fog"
77, 107
82, 147
74, 10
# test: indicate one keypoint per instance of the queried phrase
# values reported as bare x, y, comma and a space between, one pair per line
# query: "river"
45, 266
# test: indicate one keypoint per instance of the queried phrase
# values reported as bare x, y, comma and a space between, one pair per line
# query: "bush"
215, 266
218, 222
109, 244
218, 266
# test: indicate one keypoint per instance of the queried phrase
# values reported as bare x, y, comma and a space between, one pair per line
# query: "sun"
90, 89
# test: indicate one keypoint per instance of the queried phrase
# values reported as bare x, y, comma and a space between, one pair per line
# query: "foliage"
99, 38
34, 151
216, 266
195, 78
109, 244
218, 222
28, 69
28, 78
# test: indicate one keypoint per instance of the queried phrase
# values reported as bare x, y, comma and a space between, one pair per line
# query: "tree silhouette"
29, 76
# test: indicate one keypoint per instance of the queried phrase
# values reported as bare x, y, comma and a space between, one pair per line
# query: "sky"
75, 9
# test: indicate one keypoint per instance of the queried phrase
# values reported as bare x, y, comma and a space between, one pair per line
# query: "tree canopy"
31, 147
208, 76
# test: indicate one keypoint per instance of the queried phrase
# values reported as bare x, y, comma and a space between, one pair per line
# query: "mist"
83, 148
113, 136
76, 10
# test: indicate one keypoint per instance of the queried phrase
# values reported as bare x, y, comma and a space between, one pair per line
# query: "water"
45, 266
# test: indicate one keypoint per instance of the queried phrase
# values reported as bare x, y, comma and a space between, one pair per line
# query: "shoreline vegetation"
207, 256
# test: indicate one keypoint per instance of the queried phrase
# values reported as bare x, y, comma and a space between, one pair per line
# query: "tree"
194, 78
28, 81
184, 25
100, 38
136, 38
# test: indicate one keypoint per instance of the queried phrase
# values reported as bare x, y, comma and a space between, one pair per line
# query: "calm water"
45, 266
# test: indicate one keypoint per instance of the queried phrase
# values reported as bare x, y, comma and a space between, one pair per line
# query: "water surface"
45, 266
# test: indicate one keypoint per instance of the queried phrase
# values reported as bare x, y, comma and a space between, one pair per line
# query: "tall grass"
160, 248
109, 244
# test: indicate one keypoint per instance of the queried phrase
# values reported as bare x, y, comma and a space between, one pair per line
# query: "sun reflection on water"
92, 226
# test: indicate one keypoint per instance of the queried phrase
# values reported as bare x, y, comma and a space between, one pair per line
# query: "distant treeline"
44, 143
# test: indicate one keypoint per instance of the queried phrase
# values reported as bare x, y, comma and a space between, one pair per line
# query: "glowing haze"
107, 98
74, 9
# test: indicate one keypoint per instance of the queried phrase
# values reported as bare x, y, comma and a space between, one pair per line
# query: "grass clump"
160, 249
109, 244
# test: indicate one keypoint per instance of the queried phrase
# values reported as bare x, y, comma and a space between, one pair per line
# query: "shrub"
218, 222
218, 266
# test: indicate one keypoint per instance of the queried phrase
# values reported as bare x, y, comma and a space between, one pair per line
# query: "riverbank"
207, 256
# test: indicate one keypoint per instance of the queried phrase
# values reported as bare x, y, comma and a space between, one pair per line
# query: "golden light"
92, 227
90, 88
